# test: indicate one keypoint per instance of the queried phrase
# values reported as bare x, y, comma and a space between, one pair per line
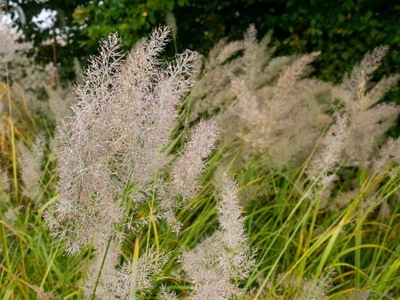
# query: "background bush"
342, 30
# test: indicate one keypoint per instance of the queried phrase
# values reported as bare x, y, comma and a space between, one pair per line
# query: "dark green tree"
343, 30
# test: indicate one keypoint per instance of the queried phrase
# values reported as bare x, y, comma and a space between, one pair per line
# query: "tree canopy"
342, 30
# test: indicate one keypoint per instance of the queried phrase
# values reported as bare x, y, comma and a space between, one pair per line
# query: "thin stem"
93, 297
13, 147
3, 236
135, 264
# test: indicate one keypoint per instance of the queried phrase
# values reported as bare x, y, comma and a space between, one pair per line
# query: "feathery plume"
88, 206
156, 94
165, 294
278, 113
321, 169
332, 145
4, 187
40, 294
60, 102
369, 120
287, 80
217, 264
115, 141
279, 120
135, 278
101, 274
31, 167
188, 168
355, 83
316, 288
389, 153
11, 51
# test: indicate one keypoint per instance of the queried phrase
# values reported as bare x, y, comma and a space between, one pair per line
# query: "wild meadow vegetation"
236, 175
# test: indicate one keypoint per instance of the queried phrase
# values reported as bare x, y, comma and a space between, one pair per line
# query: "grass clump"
241, 179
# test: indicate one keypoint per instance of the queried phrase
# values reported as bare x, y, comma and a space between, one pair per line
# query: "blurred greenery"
343, 30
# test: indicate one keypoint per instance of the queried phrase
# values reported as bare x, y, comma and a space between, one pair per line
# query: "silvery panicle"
219, 262
30, 160
321, 170
88, 207
369, 119
122, 122
11, 51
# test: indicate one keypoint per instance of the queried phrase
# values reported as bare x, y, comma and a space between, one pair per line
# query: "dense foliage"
343, 30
